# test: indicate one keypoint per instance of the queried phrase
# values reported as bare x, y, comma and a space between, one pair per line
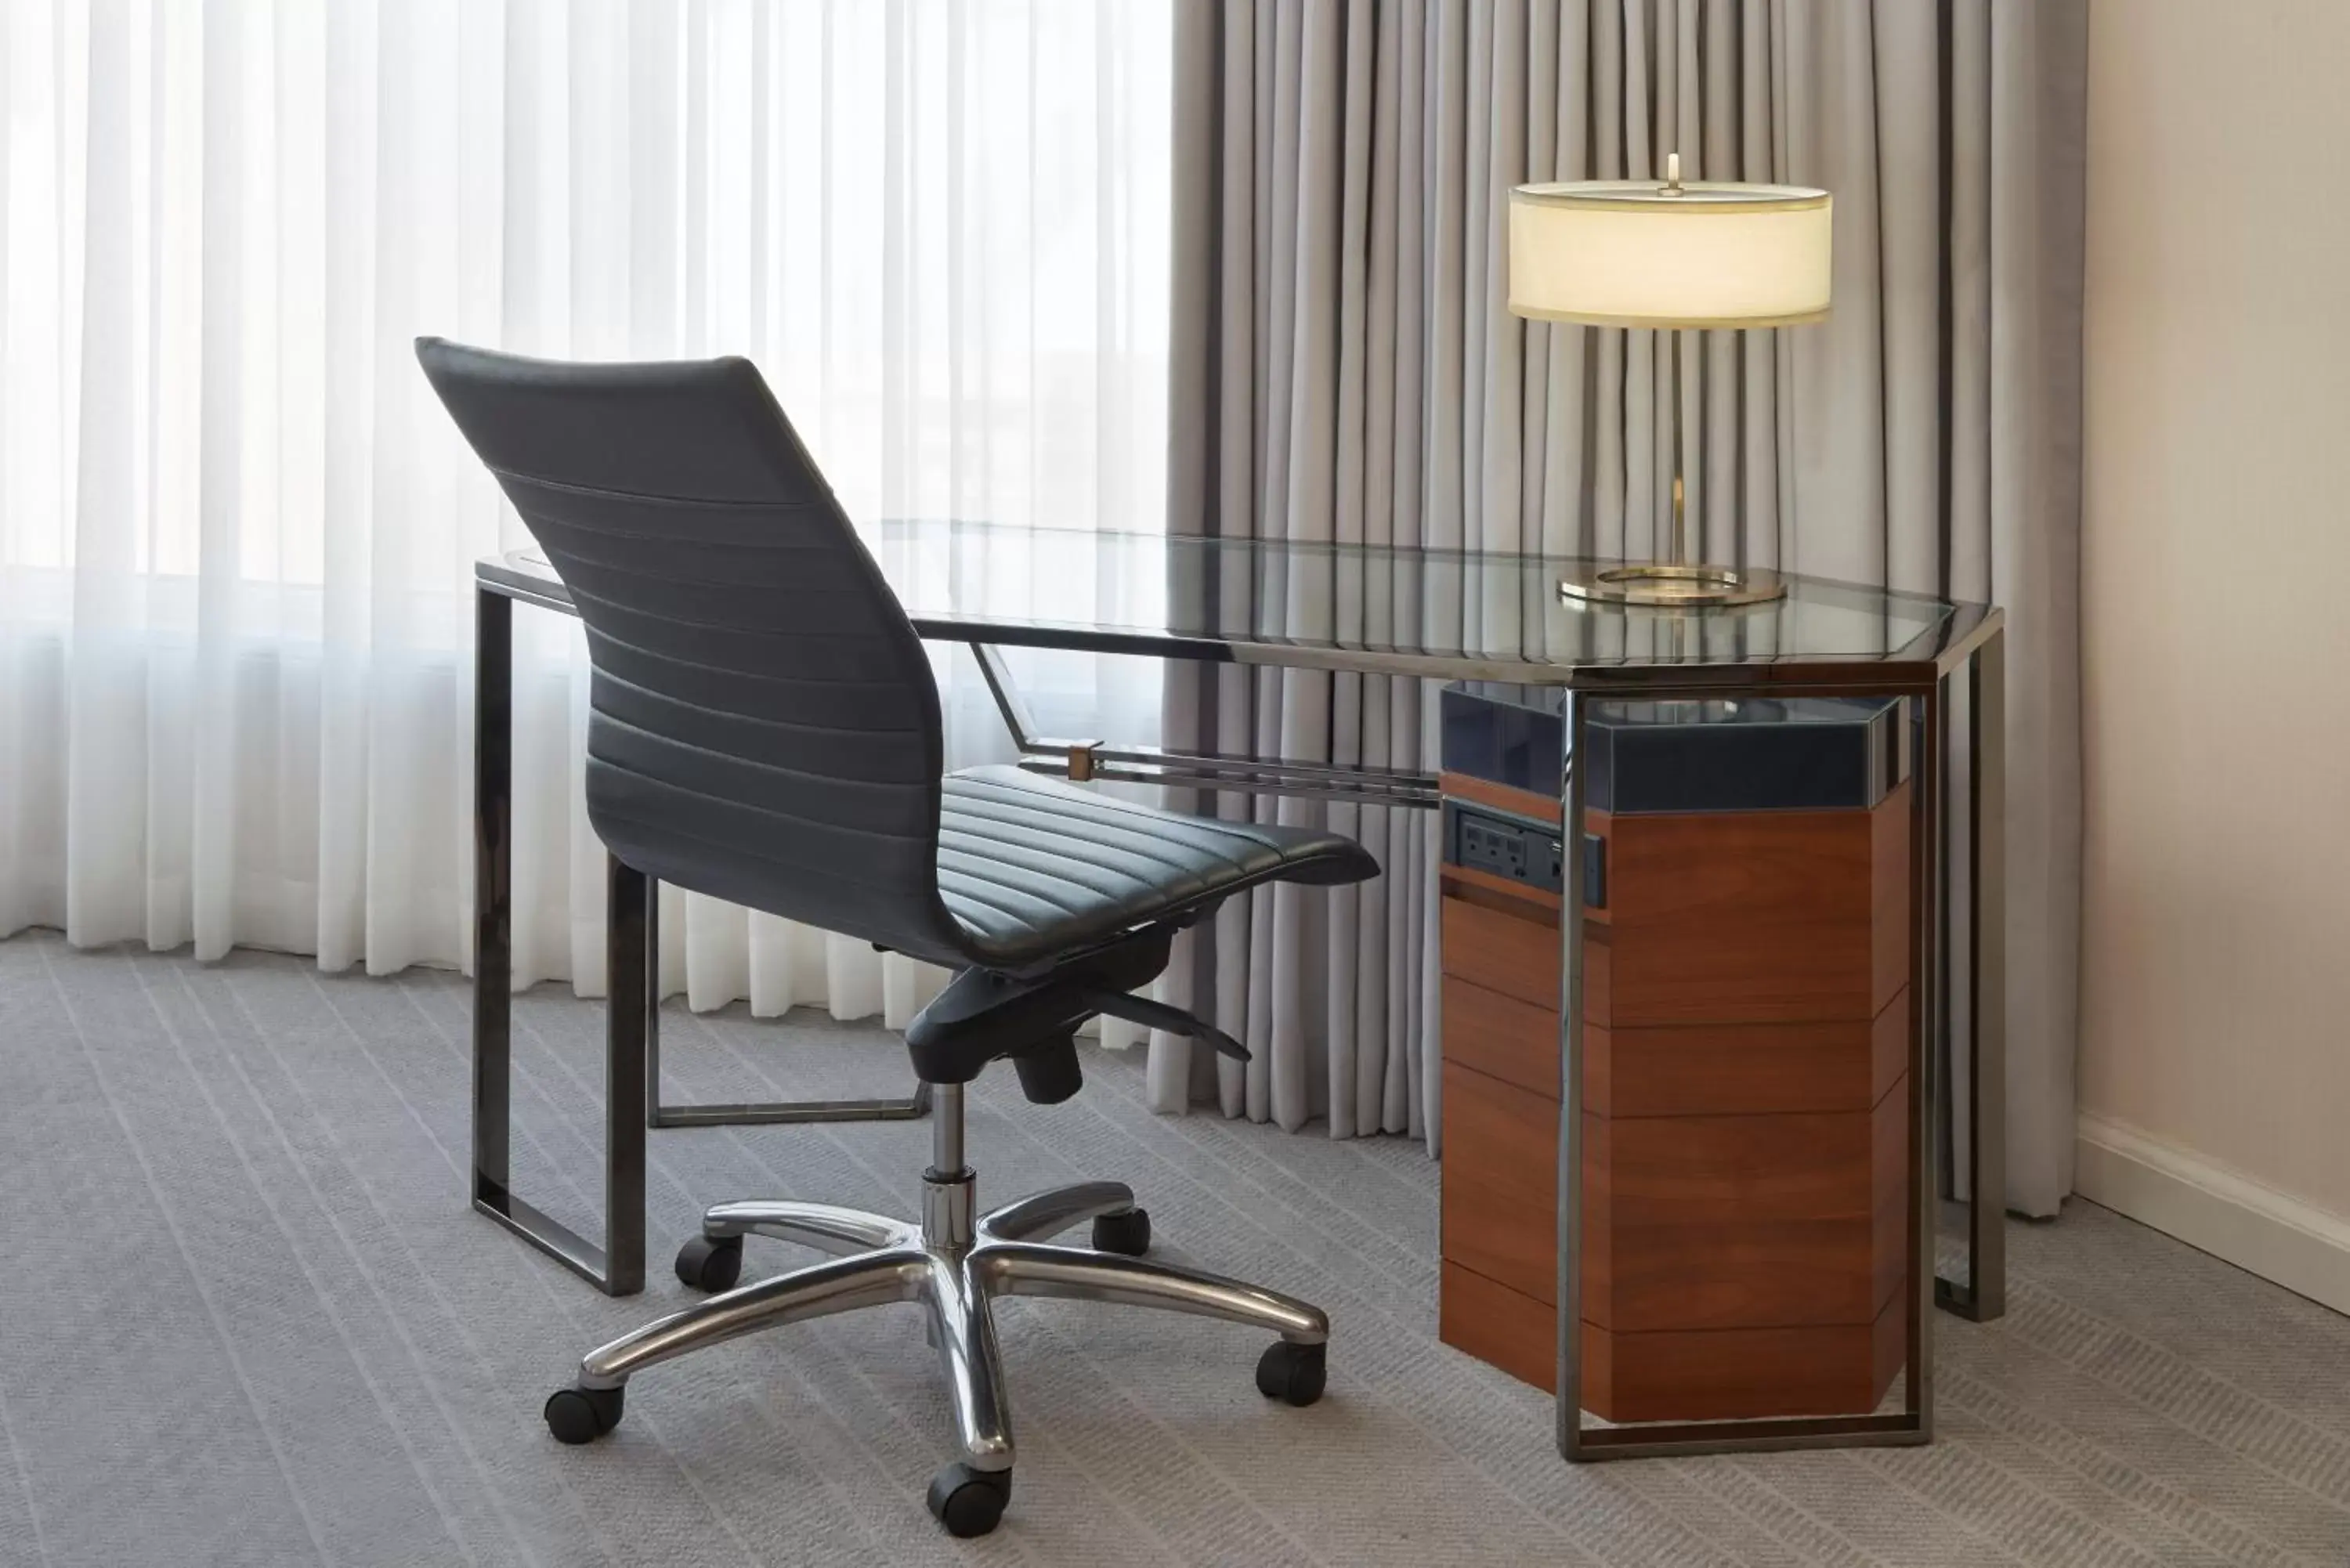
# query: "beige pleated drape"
1345, 368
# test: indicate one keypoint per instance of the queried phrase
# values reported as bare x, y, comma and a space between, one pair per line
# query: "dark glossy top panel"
1748, 753
1444, 613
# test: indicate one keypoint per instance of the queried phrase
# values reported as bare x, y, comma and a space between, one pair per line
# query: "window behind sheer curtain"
236, 533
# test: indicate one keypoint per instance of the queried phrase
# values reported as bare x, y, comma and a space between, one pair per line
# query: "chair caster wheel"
968, 1501
711, 1265
582, 1415
1126, 1234
1292, 1373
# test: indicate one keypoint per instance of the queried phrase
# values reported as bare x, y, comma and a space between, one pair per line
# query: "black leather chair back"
764, 727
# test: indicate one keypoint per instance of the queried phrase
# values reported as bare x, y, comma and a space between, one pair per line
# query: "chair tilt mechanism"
764, 727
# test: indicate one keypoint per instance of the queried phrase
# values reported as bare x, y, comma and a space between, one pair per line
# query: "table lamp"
1674, 256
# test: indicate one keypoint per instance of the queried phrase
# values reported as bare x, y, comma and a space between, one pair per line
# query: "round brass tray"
1661, 586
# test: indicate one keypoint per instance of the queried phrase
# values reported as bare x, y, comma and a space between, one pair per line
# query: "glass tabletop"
1385, 605
1449, 614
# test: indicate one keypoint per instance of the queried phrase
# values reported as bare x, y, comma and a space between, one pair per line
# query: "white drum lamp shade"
1668, 255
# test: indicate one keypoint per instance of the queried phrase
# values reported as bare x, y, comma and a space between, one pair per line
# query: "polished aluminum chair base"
953, 1262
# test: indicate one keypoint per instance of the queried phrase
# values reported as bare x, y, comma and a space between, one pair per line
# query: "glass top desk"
1438, 614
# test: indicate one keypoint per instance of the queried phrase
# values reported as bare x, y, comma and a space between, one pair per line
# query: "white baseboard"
2224, 1212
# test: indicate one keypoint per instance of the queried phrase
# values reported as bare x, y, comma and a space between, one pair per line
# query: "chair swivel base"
953, 1266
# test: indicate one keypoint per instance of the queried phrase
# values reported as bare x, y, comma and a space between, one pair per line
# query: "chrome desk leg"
632, 1022
1984, 1295
757, 1112
1929, 1013
628, 1001
617, 1267
1914, 1423
1573, 1441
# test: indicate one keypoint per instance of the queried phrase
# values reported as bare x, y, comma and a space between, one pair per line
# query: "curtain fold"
236, 533
1345, 368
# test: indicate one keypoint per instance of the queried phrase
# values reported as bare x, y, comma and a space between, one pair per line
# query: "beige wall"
2216, 984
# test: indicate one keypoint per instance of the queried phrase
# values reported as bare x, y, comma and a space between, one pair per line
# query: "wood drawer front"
1743, 1372
1757, 917
1499, 1326
1500, 1202
1779, 1274
1501, 1037
1890, 1238
1517, 957
1894, 922
1744, 1069
1728, 1171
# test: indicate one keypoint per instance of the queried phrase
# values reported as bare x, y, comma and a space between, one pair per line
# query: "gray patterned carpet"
246, 1318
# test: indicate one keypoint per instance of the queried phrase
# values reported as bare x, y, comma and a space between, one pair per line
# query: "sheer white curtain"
236, 533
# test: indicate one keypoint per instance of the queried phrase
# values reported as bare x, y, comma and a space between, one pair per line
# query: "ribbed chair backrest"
764, 726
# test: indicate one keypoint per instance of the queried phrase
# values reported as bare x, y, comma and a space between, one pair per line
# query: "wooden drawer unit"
1501, 1036
1500, 1203
1504, 943
1745, 1113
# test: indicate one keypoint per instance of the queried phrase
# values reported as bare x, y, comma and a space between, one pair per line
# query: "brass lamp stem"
1683, 547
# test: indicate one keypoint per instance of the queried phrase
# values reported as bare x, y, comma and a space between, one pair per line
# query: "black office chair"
764, 729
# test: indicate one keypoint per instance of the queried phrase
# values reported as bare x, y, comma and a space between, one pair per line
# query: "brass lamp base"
1654, 585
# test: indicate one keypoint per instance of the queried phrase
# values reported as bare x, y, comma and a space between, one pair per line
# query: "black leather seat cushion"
1034, 870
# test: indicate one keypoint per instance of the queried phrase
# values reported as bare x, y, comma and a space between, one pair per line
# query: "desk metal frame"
1973, 649
1969, 645
632, 1097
